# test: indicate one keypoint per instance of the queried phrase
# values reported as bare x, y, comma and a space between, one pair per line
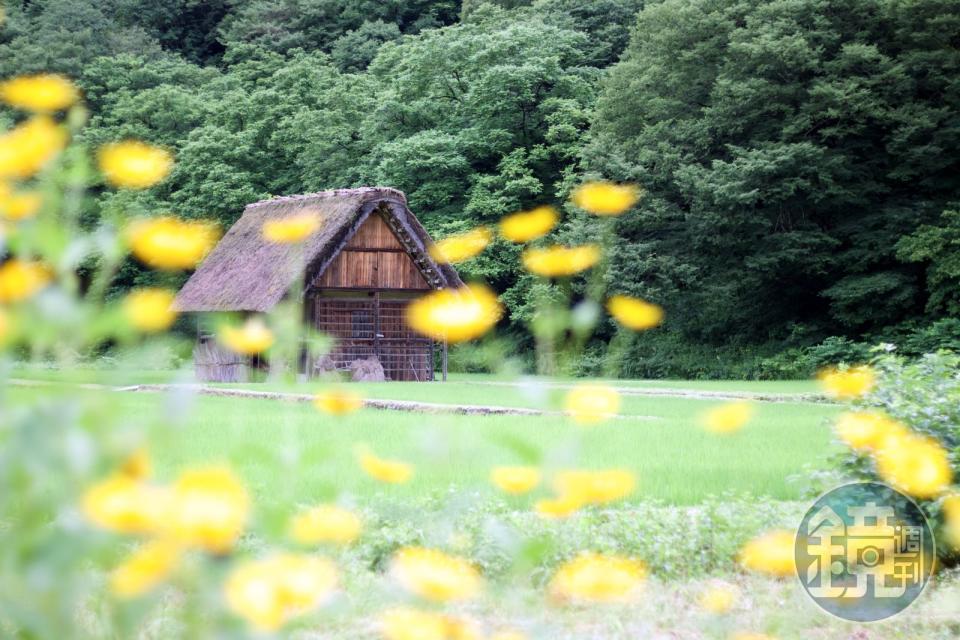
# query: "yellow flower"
559, 507
338, 402
126, 505
848, 384
137, 466
770, 553
515, 480
605, 198
170, 244
525, 226
325, 523
462, 246
591, 577
635, 313
435, 575
455, 315
209, 509
16, 206
149, 310
42, 93
590, 404
727, 418
595, 487
719, 598
20, 280
133, 164
560, 261
867, 430
390, 471
30, 146
951, 511
292, 229
146, 568
915, 465
251, 338
951, 507
404, 623
269, 592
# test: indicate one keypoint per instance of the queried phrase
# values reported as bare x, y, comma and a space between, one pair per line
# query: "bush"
924, 395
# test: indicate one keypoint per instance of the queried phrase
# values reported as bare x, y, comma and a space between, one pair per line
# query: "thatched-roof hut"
367, 259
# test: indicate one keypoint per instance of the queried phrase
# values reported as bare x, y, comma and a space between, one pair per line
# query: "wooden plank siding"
372, 259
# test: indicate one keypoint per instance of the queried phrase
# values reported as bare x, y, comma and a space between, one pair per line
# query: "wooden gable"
372, 259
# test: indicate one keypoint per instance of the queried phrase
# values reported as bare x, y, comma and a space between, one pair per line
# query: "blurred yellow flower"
434, 575
605, 198
719, 598
269, 592
170, 244
404, 623
133, 164
915, 465
338, 402
560, 507
389, 471
847, 384
558, 261
455, 315
590, 404
209, 508
325, 523
292, 229
525, 226
20, 280
770, 553
595, 487
728, 417
867, 430
951, 512
462, 246
16, 206
592, 577
146, 568
515, 480
250, 338
30, 146
126, 505
149, 310
137, 466
634, 313
41, 93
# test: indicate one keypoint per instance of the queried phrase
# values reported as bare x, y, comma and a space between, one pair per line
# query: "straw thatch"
245, 272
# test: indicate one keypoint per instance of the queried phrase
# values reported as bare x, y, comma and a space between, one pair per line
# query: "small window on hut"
361, 323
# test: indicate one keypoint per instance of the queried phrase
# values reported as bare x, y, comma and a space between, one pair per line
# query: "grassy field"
658, 438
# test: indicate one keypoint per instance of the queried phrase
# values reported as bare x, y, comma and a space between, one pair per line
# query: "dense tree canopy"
798, 156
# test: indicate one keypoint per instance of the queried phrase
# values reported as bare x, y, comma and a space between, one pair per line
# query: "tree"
785, 147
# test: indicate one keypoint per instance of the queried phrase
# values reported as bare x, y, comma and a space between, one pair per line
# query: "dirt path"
369, 403
694, 394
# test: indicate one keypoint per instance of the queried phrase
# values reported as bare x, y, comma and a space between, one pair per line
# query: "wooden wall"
372, 259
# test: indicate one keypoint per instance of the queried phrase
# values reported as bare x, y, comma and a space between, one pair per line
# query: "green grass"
289, 452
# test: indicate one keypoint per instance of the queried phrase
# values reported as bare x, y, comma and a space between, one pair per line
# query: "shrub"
924, 395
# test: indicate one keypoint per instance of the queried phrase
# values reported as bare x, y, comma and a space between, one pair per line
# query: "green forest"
798, 157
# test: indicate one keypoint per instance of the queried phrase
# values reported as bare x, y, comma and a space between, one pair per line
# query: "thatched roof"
245, 272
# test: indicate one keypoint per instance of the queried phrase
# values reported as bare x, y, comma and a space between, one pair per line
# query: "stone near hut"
369, 370
324, 364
